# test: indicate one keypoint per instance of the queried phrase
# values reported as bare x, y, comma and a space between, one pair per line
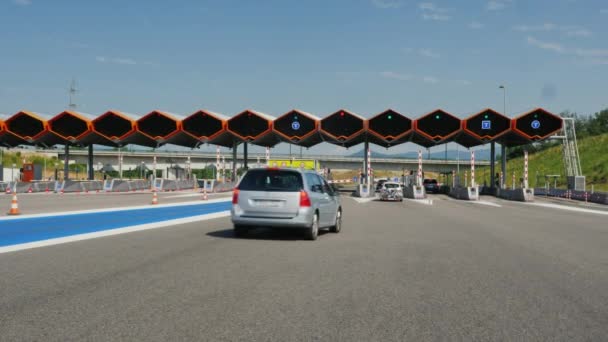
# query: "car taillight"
235, 196
304, 199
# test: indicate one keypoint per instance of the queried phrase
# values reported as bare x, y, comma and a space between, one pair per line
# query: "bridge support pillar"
366, 162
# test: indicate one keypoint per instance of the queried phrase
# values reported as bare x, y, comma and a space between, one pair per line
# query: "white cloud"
386, 4
395, 76
22, 2
545, 45
428, 53
429, 79
475, 25
497, 5
570, 31
543, 27
591, 52
576, 31
430, 11
114, 60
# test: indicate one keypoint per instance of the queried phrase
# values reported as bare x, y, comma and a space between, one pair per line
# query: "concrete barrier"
596, 197
465, 193
43, 186
3, 186
520, 194
224, 187
414, 191
362, 191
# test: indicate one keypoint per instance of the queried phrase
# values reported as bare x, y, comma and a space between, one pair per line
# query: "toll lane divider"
40, 227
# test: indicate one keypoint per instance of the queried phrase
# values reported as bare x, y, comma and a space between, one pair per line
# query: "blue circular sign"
536, 124
295, 125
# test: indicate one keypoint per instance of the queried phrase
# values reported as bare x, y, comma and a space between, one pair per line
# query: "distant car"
379, 184
391, 191
285, 198
431, 185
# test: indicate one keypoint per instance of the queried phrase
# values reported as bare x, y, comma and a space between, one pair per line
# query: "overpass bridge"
171, 161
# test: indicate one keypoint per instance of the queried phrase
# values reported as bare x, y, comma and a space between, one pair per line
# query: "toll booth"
30, 172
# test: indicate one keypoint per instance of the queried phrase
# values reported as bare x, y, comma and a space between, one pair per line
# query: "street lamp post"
503, 148
141, 171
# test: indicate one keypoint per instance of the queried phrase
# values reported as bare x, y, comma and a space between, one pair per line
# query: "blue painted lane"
43, 228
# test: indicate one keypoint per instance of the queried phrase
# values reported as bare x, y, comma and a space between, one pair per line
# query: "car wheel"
240, 230
338, 226
313, 231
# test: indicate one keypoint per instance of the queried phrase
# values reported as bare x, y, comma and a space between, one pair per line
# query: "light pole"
141, 171
13, 172
503, 148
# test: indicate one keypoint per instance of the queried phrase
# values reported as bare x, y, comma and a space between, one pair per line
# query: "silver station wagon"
285, 198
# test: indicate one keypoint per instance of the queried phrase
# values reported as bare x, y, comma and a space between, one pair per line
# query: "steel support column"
492, 161
66, 160
234, 147
366, 161
245, 156
503, 164
91, 169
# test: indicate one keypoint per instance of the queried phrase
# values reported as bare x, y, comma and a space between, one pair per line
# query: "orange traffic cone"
14, 206
154, 197
29, 191
205, 197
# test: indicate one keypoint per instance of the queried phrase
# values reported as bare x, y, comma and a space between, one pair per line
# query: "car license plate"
268, 204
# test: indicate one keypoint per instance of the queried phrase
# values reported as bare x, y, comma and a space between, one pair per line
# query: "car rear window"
430, 181
391, 185
271, 180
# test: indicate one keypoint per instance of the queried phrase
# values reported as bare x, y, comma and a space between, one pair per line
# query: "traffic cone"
8, 191
29, 191
47, 190
205, 197
154, 198
14, 206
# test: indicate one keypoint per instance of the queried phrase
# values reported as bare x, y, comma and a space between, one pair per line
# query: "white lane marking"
110, 232
198, 194
564, 207
426, 201
364, 200
65, 213
491, 204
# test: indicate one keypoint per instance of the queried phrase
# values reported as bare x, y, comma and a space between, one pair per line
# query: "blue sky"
318, 56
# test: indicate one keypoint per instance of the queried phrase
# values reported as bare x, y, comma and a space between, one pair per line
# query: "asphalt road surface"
450, 271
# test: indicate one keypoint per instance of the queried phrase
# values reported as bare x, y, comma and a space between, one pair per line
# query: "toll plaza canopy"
343, 127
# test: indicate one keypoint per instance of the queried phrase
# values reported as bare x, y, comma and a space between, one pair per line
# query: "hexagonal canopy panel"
7, 138
298, 127
438, 125
389, 128
121, 130
208, 127
537, 124
32, 129
157, 125
487, 125
250, 125
343, 128
69, 125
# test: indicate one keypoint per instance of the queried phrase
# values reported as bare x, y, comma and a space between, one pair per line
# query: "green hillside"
594, 162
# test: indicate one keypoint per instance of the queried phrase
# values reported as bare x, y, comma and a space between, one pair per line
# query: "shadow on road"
265, 234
